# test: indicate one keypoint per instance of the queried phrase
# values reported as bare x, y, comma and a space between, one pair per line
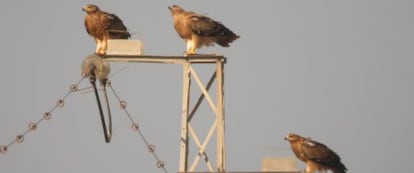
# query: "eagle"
199, 30
317, 156
102, 26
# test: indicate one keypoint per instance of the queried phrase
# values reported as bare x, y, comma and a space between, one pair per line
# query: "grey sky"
337, 71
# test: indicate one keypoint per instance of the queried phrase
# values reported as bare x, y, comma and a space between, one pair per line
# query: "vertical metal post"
184, 118
221, 153
217, 107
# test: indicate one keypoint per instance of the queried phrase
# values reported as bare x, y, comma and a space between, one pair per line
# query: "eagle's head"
90, 8
175, 9
292, 137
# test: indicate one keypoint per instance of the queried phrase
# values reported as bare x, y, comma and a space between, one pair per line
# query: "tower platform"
200, 58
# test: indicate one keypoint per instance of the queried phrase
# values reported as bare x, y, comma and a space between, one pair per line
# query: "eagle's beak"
169, 7
84, 8
286, 137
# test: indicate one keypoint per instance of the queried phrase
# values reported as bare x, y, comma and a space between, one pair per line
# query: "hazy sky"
340, 72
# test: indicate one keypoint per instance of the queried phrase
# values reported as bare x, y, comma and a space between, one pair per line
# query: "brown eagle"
198, 30
103, 26
317, 156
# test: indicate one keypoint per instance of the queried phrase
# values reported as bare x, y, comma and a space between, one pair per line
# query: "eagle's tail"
339, 167
226, 36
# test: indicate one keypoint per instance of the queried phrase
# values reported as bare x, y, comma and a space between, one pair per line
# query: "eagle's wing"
321, 154
207, 27
204, 26
318, 152
114, 26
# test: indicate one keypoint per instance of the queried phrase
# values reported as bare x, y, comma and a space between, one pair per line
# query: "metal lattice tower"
217, 128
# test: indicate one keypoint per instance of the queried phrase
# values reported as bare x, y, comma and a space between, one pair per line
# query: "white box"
124, 47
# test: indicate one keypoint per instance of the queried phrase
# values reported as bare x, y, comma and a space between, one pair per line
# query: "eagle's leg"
310, 168
98, 45
195, 41
103, 46
190, 48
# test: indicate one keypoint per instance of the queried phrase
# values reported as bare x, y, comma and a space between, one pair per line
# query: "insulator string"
32, 126
135, 127
46, 116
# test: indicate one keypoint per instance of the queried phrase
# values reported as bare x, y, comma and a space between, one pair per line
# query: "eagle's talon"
100, 54
187, 53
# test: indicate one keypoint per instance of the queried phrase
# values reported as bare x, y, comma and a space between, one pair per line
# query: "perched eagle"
198, 30
103, 26
317, 156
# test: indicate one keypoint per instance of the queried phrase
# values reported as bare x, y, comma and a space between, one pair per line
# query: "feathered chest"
183, 26
94, 26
